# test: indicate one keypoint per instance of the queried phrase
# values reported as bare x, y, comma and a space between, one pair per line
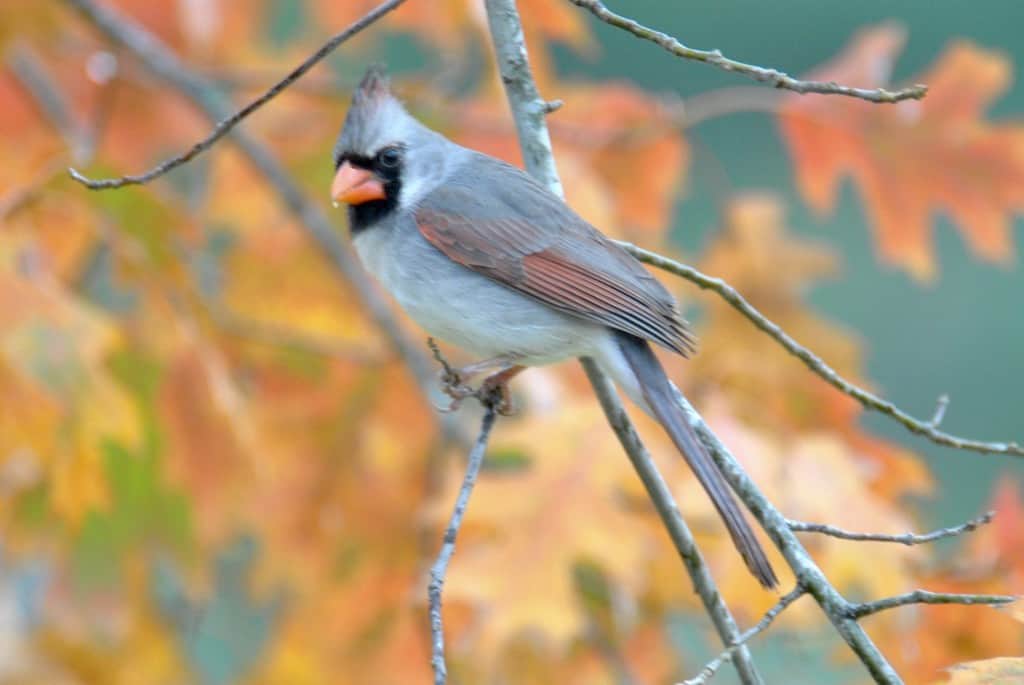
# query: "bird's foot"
452, 384
494, 391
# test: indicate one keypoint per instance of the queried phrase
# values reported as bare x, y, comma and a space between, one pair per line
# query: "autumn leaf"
914, 157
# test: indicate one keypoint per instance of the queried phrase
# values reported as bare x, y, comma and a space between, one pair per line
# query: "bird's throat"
367, 214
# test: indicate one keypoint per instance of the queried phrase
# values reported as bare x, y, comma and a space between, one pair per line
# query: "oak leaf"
914, 157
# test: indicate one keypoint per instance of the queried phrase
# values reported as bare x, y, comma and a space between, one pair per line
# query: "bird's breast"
467, 309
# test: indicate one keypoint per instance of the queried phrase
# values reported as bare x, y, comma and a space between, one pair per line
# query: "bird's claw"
493, 392
452, 385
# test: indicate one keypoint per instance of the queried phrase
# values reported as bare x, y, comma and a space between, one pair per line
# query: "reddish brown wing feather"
551, 254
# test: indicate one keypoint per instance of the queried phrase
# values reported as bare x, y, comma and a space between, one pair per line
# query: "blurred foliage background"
213, 468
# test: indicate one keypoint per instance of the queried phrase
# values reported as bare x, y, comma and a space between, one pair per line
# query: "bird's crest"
375, 84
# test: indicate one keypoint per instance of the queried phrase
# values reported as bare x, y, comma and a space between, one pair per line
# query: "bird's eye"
389, 157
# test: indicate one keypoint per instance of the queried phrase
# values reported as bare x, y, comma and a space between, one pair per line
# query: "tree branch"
927, 428
858, 611
776, 78
227, 123
712, 666
904, 539
528, 110
528, 107
440, 567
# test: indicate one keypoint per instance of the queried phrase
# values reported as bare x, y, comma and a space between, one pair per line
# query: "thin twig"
940, 411
444, 557
904, 539
868, 400
528, 110
448, 372
776, 78
858, 611
228, 123
712, 666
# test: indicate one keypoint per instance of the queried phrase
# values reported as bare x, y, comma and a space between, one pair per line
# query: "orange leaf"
917, 156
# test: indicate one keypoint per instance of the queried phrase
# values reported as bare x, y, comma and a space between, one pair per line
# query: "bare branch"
228, 123
868, 400
712, 666
444, 557
528, 111
904, 539
858, 611
774, 77
528, 108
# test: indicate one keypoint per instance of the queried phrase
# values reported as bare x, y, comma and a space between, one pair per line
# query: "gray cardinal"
484, 257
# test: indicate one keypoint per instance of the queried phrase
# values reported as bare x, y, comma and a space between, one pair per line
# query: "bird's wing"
512, 230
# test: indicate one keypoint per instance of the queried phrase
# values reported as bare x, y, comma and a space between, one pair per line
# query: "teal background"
964, 333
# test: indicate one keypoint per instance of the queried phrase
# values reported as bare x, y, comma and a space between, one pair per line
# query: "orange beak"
355, 186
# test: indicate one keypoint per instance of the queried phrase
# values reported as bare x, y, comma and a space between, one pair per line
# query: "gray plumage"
482, 256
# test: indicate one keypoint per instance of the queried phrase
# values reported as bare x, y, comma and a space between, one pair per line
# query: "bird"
484, 257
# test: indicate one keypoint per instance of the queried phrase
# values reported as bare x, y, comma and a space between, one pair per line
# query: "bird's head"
384, 158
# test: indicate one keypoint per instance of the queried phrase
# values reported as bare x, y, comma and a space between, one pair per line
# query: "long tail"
657, 391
